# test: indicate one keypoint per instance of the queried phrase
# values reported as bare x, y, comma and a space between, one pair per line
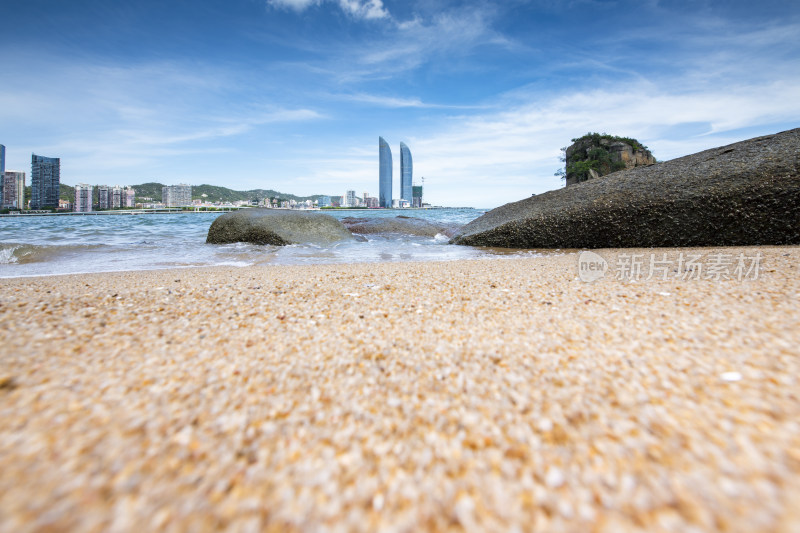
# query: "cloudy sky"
293, 94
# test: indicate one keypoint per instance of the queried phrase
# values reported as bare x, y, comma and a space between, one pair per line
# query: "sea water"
47, 245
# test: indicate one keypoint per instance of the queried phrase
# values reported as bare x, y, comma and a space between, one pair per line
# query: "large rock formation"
399, 224
746, 193
595, 155
277, 227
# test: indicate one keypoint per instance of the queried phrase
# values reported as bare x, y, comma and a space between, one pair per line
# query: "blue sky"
293, 94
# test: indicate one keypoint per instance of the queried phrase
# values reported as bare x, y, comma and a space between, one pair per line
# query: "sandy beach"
502, 394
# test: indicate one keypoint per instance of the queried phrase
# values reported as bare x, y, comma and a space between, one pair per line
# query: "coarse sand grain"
500, 394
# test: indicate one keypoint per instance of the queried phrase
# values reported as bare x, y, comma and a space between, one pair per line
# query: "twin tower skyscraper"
385, 174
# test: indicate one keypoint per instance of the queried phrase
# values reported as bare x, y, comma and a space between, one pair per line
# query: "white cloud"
251, 128
362, 9
396, 102
136, 118
297, 5
367, 9
501, 154
144, 134
490, 158
443, 38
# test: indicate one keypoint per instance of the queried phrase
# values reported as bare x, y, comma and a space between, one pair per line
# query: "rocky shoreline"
747, 193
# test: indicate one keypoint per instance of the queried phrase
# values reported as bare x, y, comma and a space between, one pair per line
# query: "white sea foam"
7, 253
33, 246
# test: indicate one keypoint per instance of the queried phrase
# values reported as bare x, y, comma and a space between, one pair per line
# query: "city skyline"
47, 172
109, 196
290, 94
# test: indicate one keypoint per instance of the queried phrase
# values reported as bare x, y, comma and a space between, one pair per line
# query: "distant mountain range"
213, 193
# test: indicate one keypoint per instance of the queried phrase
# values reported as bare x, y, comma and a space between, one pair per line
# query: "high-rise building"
83, 198
103, 197
176, 195
350, 199
416, 196
45, 181
129, 197
2, 170
385, 173
406, 173
116, 197
13, 190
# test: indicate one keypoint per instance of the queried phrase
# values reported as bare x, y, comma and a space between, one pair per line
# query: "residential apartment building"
129, 197
116, 197
103, 197
2, 168
13, 190
83, 198
176, 195
45, 181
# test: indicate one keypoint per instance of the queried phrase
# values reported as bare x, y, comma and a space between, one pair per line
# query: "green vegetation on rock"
596, 139
601, 154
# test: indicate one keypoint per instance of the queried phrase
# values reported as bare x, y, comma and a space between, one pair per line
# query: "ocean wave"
234, 263
22, 253
402, 225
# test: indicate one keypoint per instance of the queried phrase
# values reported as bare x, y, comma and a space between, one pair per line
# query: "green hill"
65, 192
148, 190
214, 193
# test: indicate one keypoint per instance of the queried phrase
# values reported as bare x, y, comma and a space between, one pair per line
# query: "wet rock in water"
276, 227
399, 224
747, 193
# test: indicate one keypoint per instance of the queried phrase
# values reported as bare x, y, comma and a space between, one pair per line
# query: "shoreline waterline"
220, 210
70, 244
497, 254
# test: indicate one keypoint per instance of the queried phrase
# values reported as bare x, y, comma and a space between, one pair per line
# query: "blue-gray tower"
385, 176
2, 169
406, 173
45, 180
